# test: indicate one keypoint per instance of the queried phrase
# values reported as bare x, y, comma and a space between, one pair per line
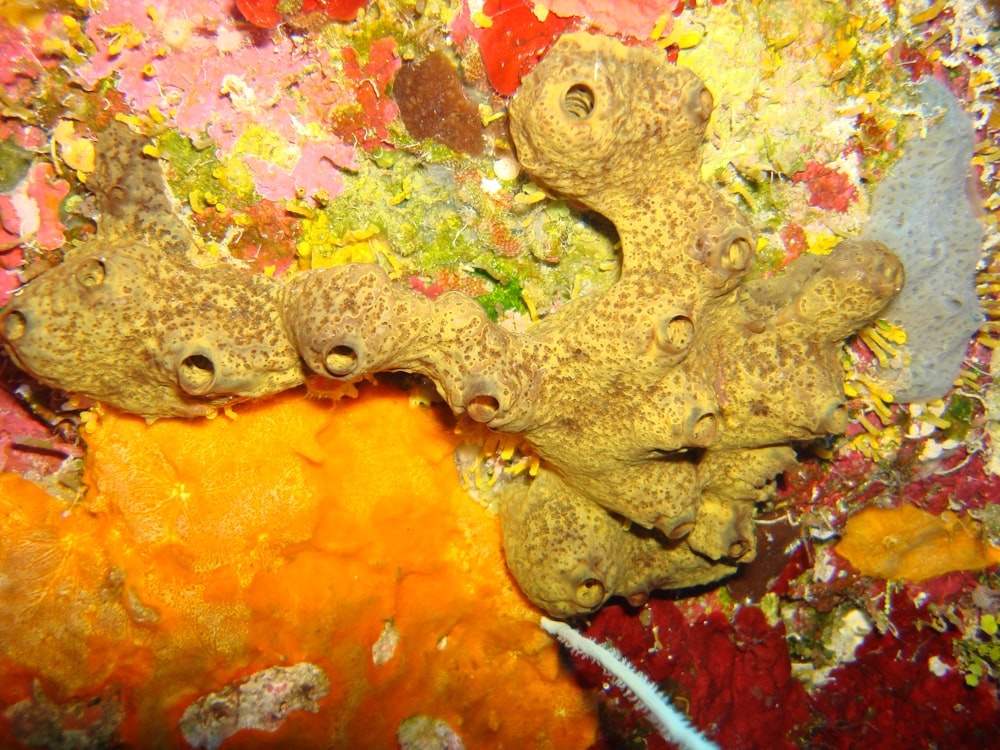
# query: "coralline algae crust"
662, 408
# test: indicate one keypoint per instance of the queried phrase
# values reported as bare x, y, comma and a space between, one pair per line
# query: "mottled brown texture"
686, 387
131, 318
662, 408
433, 104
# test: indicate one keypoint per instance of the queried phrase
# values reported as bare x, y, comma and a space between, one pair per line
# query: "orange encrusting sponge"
206, 551
910, 544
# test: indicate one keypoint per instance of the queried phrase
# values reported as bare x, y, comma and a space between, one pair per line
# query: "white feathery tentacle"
672, 724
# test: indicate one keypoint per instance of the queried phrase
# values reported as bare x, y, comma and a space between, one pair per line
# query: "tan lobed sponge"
662, 409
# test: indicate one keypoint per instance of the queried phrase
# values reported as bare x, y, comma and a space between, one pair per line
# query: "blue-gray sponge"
926, 211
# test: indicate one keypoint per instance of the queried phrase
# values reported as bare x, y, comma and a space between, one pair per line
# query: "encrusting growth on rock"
662, 409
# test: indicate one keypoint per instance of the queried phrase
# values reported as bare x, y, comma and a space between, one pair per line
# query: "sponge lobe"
926, 210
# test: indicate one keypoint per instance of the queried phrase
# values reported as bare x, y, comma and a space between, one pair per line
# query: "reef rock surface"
138, 317
662, 409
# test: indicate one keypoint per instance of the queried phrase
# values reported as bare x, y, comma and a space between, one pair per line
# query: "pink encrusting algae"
209, 74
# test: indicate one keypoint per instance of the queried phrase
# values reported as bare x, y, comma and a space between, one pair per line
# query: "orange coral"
206, 551
909, 544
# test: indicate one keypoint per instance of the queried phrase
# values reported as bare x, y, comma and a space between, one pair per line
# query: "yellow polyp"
269, 271
821, 244
876, 389
867, 337
540, 11
875, 23
527, 198
872, 429
481, 21
90, 419
508, 447
397, 267
863, 445
358, 252
875, 397
148, 71
122, 36
533, 463
941, 424
882, 410
196, 198
487, 115
57, 47
860, 108
879, 346
782, 42
531, 307
981, 77
739, 189
359, 235
824, 453
298, 209
404, 194
930, 14
491, 443
893, 333
988, 158
689, 39
967, 379
661, 25
151, 150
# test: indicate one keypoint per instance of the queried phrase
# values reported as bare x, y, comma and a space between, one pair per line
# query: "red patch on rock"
733, 679
828, 188
265, 13
48, 192
516, 41
794, 238
365, 116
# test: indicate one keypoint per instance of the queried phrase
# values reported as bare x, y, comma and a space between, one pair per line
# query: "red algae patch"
333, 533
910, 544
